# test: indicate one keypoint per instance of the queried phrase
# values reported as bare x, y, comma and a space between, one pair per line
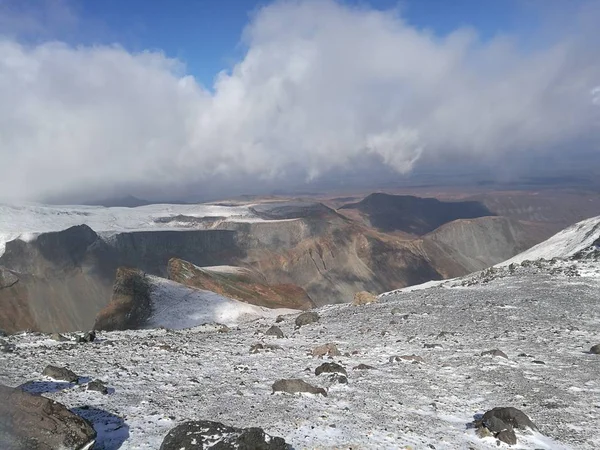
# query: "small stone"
433, 345
413, 358
495, 352
595, 349
537, 361
363, 367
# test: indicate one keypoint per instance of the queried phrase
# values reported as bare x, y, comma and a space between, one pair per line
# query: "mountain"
300, 253
413, 215
416, 369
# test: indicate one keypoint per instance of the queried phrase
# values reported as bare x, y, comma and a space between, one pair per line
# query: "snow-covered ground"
563, 244
25, 221
177, 306
544, 321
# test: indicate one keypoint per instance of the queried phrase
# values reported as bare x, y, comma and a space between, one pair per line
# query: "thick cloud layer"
321, 87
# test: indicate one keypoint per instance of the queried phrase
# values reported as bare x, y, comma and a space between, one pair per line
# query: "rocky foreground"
413, 370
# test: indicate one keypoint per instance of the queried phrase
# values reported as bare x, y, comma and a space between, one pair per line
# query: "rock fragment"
296, 386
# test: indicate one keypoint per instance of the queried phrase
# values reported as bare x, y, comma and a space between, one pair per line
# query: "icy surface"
177, 306
160, 378
25, 221
564, 244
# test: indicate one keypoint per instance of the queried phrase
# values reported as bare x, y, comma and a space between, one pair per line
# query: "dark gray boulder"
205, 434
296, 386
306, 318
90, 336
60, 373
330, 367
97, 386
595, 349
34, 422
274, 331
511, 416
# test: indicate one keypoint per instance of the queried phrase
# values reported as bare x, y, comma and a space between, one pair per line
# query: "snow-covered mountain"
25, 221
564, 244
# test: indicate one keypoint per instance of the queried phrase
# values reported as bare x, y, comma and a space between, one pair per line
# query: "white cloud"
321, 86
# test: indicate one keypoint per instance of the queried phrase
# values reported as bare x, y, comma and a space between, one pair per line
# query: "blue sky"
206, 34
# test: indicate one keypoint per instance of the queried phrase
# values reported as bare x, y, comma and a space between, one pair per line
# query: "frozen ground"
544, 318
177, 306
25, 221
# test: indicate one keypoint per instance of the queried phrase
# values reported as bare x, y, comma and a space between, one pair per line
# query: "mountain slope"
414, 215
544, 322
564, 244
239, 283
146, 301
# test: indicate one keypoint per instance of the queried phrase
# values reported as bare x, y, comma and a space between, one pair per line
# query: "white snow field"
177, 306
563, 244
544, 318
25, 221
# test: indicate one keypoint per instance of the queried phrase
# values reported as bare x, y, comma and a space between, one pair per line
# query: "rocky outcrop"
205, 434
33, 422
130, 306
239, 283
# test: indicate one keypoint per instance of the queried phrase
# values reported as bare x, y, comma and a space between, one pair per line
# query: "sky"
199, 99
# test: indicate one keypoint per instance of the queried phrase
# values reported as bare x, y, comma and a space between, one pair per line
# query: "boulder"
296, 386
330, 367
205, 434
60, 373
274, 331
595, 349
363, 298
97, 386
34, 422
329, 349
500, 422
511, 416
306, 318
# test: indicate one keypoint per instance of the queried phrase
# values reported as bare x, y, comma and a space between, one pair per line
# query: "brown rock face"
32, 422
241, 284
130, 305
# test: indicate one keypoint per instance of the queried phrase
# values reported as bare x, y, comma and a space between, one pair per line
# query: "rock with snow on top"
60, 374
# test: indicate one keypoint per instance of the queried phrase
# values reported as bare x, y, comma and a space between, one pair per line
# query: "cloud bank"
321, 87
